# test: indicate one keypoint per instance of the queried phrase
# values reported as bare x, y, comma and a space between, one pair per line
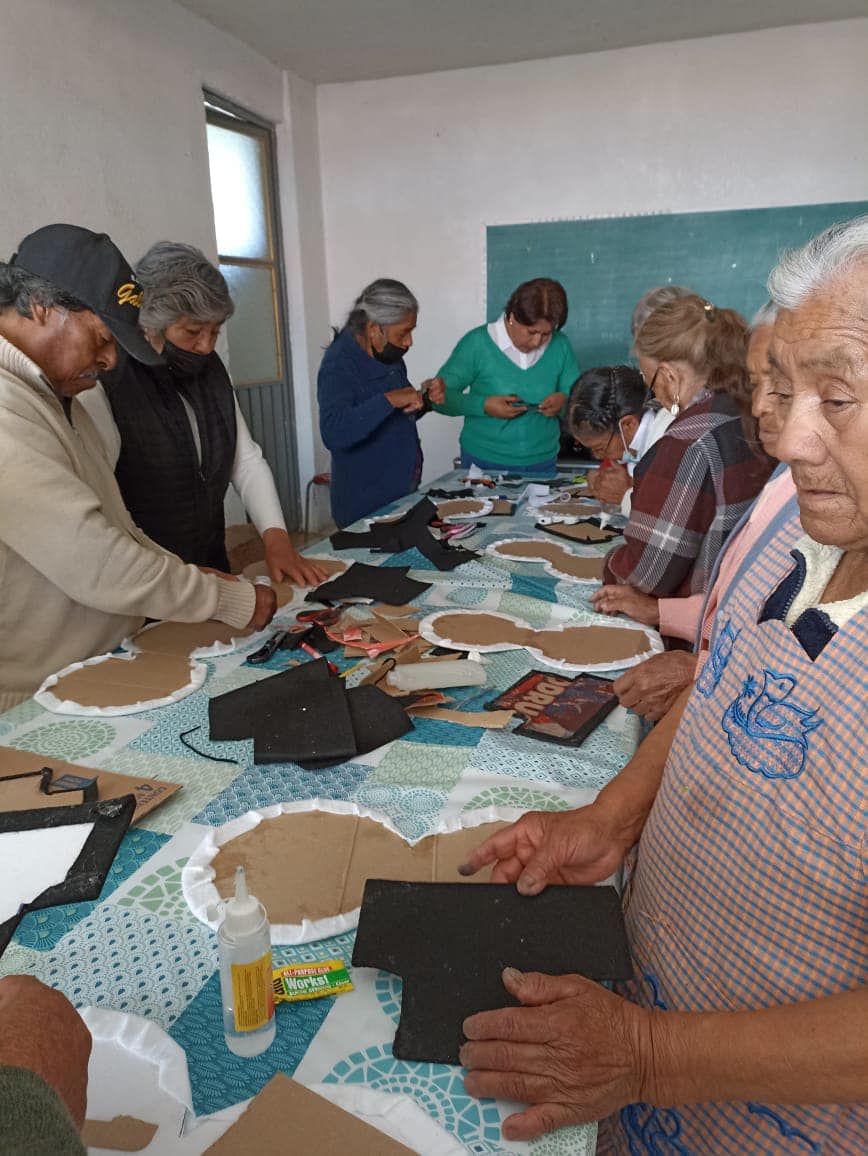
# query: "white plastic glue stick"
435, 675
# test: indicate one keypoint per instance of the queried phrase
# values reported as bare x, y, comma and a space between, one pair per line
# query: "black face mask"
390, 354
183, 363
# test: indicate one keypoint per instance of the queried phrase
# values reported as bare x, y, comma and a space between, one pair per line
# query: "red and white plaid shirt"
689, 491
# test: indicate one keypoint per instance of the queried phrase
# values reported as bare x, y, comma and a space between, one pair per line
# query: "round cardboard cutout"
157, 666
308, 862
601, 645
557, 559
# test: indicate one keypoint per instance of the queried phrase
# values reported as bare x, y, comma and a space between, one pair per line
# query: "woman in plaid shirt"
693, 486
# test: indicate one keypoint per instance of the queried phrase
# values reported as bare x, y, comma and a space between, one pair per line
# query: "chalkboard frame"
607, 263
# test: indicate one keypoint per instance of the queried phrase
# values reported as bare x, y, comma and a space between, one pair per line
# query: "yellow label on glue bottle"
244, 940
252, 994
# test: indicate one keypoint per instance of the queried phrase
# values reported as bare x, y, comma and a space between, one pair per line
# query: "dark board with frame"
607, 263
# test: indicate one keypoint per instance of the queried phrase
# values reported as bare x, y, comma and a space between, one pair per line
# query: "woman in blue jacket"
367, 408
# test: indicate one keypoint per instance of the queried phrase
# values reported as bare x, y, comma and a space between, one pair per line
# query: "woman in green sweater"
509, 381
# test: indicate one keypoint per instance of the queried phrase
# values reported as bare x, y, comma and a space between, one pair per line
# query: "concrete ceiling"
339, 40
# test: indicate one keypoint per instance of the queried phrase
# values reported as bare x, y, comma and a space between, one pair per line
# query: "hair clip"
710, 311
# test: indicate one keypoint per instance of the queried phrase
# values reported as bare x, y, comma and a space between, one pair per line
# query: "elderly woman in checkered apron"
745, 1026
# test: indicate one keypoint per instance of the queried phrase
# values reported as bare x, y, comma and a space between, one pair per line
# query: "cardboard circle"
285, 591
156, 667
556, 559
464, 509
323, 862
567, 646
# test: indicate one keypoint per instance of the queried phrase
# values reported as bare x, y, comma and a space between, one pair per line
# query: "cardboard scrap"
573, 644
24, 794
312, 865
487, 719
287, 1116
576, 508
122, 1134
558, 559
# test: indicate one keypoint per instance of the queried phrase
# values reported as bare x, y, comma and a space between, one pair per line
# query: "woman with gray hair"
175, 432
367, 408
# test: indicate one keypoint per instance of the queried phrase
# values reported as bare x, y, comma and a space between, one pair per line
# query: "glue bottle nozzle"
240, 884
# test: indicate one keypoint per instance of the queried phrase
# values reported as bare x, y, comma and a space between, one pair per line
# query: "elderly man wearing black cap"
76, 575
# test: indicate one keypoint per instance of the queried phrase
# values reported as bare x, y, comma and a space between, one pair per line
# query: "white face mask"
629, 457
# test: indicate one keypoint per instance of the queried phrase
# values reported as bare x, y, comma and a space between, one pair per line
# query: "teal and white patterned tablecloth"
140, 950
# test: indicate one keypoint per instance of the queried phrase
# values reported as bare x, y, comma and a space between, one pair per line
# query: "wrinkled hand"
651, 688
407, 399
285, 562
41, 1030
611, 483
575, 1052
627, 600
552, 405
264, 610
542, 847
504, 406
435, 387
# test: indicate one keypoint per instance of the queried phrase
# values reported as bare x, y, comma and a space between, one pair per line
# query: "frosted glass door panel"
238, 189
254, 353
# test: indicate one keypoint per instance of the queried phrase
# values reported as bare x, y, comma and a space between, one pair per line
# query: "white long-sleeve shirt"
251, 473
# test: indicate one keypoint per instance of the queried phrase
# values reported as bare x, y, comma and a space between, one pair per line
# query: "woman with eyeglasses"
702, 475
608, 413
509, 381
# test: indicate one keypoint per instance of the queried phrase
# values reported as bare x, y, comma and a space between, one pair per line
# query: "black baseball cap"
91, 268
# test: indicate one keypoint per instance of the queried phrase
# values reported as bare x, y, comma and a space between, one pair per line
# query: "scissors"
327, 617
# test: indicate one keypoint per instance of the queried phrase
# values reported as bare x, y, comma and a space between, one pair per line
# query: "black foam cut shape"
481, 928
86, 876
388, 584
377, 719
312, 724
558, 533
235, 715
403, 534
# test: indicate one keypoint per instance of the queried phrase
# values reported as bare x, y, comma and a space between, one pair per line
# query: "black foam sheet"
86, 876
307, 716
481, 929
313, 725
403, 534
377, 718
388, 584
235, 715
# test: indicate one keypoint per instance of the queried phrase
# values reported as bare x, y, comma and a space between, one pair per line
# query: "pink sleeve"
679, 617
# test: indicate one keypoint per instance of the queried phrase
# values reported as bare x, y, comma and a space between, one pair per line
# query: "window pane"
252, 329
239, 193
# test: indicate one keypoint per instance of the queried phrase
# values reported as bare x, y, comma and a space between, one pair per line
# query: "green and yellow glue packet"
295, 981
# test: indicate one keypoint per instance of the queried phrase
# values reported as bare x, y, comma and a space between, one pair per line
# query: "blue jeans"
539, 468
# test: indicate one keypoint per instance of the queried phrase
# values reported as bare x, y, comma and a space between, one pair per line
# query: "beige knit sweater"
76, 575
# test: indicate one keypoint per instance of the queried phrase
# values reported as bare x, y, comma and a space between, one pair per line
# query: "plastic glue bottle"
244, 941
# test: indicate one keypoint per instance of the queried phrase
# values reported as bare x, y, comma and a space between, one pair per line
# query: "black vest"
174, 499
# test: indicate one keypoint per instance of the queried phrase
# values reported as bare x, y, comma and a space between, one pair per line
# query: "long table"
140, 950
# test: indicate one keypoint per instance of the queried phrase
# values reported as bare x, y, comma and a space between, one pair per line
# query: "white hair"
764, 316
179, 281
824, 259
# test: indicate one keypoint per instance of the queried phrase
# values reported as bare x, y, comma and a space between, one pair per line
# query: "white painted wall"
103, 125
414, 168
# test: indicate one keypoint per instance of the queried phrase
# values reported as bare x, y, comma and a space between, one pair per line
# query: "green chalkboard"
608, 263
